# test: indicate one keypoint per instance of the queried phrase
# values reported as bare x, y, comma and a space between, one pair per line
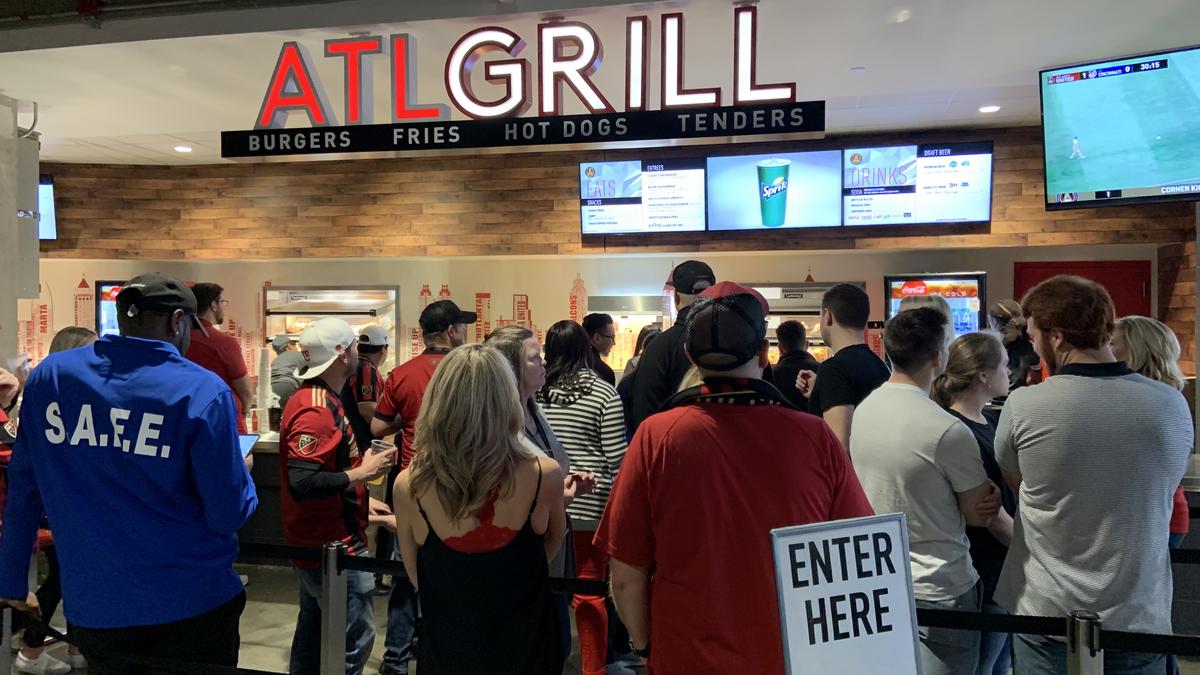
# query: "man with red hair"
1094, 454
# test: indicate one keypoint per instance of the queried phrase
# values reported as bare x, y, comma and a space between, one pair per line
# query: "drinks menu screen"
946, 183
642, 196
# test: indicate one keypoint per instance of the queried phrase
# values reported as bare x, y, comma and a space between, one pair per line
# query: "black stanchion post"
6, 641
333, 610
1084, 654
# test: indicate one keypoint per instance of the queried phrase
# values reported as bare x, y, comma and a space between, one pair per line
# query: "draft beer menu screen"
642, 197
947, 183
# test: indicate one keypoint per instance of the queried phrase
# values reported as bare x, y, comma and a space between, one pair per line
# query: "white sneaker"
244, 579
44, 664
76, 661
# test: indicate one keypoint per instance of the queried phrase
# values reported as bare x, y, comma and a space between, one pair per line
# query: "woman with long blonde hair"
1149, 347
478, 515
521, 349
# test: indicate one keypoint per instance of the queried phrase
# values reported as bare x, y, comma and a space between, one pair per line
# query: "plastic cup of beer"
773, 190
378, 446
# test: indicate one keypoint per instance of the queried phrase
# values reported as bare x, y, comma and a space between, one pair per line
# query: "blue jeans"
1036, 655
995, 649
402, 622
360, 623
946, 651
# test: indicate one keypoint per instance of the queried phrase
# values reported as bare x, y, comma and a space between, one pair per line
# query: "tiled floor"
270, 617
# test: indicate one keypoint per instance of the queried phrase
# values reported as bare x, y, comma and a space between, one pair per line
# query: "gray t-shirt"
284, 382
1100, 451
912, 457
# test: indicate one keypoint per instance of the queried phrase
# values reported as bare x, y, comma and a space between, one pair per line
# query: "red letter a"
294, 86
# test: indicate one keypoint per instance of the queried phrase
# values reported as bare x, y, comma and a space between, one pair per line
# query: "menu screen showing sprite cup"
790, 189
642, 196
946, 183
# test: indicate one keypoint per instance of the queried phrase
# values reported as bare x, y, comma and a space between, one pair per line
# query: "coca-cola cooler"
966, 293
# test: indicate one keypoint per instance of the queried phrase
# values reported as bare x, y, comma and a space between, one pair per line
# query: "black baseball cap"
726, 327
157, 292
440, 315
692, 276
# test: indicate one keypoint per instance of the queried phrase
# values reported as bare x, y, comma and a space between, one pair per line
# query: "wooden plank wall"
527, 204
1177, 297
523, 204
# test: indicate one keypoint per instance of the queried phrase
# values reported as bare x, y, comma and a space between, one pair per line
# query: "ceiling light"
858, 69
899, 15
989, 109
183, 148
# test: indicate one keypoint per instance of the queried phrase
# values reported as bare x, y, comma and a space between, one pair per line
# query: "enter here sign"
845, 597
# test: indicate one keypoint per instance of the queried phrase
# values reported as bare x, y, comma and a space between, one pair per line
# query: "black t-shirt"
846, 378
602, 369
785, 372
987, 553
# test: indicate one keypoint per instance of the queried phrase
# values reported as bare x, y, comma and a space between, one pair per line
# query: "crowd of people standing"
516, 462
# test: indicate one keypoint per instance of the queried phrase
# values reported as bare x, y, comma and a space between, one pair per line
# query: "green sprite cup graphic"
772, 191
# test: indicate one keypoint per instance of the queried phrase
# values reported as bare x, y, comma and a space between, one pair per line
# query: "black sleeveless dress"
488, 613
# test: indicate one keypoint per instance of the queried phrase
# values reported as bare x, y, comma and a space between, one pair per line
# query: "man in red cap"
703, 484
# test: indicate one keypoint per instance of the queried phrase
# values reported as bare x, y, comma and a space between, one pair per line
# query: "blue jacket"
133, 452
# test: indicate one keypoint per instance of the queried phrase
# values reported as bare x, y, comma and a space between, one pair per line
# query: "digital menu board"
944, 183
787, 189
642, 197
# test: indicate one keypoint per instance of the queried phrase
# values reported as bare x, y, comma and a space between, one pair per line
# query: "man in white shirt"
1094, 455
913, 457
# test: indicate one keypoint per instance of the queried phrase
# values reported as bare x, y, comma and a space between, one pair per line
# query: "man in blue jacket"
132, 451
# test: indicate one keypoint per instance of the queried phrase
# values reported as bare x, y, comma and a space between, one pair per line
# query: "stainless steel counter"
1191, 479
268, 444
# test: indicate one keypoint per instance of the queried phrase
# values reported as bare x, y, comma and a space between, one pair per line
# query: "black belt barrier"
987, 623
1181, 645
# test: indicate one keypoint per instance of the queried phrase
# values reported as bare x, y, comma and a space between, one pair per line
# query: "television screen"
790, 189
965, 293
106, 307
944, 183
1122, 130
47, 225
640, 197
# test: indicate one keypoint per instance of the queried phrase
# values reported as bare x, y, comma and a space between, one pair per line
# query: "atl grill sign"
568, 53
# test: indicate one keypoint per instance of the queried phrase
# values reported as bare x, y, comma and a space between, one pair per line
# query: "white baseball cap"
321, 344
376, 336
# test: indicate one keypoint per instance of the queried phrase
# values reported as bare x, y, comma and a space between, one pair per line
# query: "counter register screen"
47, 221
106, 307
1123, 130
642, 197
789, 189
946, 183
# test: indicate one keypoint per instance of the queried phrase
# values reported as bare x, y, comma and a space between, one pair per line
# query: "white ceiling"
133, 102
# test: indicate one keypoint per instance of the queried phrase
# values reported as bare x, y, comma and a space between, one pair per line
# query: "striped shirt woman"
586, 416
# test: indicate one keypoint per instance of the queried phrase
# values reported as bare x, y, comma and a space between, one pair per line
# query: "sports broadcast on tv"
1123, 130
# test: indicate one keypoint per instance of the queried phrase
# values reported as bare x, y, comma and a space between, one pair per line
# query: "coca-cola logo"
914, 288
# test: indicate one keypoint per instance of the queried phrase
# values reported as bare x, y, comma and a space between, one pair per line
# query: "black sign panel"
785, 118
